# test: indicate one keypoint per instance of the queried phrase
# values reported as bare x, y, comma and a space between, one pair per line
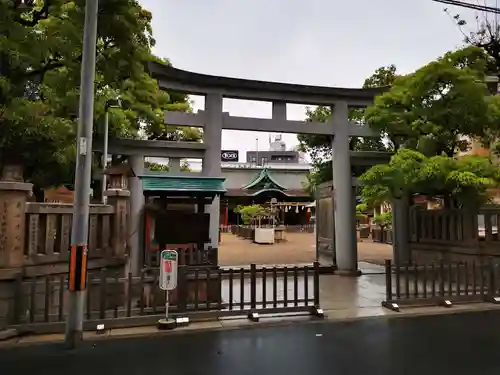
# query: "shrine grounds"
299, 248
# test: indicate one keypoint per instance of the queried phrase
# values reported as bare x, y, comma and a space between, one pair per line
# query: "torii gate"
213, 120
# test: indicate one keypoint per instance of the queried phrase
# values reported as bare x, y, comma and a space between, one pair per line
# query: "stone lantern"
118, 176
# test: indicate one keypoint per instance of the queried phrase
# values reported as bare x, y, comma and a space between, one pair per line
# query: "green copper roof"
159, 182
264, 176
268, 190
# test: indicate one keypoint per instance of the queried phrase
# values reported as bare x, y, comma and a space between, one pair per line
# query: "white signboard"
168, 270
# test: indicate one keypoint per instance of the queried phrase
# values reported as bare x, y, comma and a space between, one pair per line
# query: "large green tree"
430, 116
432, 109
457, 180
484, 33
40, 60
319, 147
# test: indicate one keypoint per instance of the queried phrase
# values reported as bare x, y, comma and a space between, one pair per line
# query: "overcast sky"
315, 42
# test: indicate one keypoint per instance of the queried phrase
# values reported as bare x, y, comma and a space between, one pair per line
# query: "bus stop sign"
168, 270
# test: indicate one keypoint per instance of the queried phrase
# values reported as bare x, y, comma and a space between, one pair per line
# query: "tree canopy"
319, 146
430, 116
409, 172
159, 167
484, 34
252, 212
40, 58
432, 109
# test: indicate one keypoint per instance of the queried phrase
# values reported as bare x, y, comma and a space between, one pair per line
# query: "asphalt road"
466, 343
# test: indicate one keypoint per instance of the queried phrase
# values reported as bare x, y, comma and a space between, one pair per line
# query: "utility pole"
79, 230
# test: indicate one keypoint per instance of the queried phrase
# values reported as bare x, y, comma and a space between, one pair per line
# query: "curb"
285, 322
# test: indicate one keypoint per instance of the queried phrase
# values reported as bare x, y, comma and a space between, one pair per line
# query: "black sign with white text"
229, 155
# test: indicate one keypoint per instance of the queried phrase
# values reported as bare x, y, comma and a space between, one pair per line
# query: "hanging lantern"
296, 209
286, 208
308, 210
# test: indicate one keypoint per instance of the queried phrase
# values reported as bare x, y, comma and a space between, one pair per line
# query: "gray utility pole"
79, 231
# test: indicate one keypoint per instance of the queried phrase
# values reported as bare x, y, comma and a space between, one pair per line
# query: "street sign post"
168, 282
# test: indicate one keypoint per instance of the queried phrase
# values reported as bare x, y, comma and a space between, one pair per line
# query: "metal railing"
441, 283
40, 303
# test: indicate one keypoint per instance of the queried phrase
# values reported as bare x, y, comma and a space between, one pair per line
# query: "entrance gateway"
213, 120
343, 248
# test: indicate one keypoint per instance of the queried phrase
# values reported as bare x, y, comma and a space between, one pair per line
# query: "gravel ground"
299, 248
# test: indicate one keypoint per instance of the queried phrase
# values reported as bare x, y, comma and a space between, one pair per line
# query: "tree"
485, 34
459, 181
252, 212
432, 109
319, 146
40, 58
157, 167
361, 211
383, 220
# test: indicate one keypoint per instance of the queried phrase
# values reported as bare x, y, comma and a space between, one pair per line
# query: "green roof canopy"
269, 190
195, 185
262, 179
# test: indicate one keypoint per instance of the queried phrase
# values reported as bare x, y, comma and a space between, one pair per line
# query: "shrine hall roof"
159, 182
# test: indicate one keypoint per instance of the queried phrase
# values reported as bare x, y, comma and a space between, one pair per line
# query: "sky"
315, 42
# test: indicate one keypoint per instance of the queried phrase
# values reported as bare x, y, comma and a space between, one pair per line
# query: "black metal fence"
441, 283
203, 293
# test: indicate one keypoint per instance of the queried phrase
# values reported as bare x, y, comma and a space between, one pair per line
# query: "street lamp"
112, 103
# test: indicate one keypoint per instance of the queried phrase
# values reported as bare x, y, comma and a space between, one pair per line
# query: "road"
466, 343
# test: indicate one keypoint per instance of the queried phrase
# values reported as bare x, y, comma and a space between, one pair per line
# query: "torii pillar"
212, 133
344, 202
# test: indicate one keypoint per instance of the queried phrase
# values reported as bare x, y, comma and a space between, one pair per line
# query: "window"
253, 159
264, 161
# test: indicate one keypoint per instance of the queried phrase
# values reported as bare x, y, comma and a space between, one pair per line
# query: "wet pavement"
466, 343
336, 292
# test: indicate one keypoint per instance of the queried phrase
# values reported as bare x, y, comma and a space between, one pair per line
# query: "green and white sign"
168, 270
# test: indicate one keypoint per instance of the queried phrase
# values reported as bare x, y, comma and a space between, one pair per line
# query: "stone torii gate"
213, 120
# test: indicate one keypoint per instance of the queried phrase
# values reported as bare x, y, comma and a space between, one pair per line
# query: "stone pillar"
211, 163
354, 230
13, 195
118, 198
401, 231
345, 247
174, 165
136, 163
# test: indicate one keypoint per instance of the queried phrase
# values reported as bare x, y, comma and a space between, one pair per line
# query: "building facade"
275, 174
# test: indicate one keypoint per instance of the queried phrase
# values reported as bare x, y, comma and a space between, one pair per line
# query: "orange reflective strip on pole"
72, 267
83, 275
78, 268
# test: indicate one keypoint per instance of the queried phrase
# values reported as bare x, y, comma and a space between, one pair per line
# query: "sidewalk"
341, 298
346, 313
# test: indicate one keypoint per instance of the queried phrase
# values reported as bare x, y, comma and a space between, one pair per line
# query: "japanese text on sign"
168, 270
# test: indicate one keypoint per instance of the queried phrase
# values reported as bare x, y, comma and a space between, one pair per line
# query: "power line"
462, 4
